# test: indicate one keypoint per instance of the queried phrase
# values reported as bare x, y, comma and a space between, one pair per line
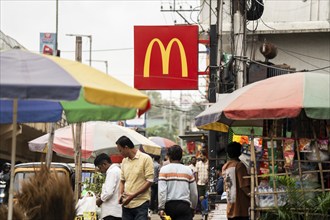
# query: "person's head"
6, 167
193, 160
174, 153
102, 162
234, 149
47, 195
124, 145
203, 156
156, 158
17, 212
219, 169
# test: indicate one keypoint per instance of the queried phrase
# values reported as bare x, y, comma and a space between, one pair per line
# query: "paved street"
156, 217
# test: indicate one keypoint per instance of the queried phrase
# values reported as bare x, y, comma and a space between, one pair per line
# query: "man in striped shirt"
177, 190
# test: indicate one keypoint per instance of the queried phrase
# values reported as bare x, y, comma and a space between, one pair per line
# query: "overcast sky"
110, 22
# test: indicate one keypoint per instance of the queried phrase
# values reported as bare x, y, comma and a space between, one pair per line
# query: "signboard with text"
166, 57
47, 43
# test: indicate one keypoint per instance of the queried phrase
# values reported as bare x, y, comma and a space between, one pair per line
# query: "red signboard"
166, 57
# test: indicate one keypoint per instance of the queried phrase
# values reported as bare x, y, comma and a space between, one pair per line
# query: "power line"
267, 25
100, 50
273, 67
290, 51
301, 59
322, 68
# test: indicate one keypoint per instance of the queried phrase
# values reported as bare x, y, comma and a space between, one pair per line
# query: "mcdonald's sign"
166, 57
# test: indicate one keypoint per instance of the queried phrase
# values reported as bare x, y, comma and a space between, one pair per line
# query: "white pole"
49, 154
238, 42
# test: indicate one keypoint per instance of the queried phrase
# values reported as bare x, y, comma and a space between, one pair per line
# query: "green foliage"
96, 184
320, 204
299, 204
170, 113
163, 131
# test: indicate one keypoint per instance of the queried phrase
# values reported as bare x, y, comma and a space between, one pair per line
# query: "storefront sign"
47, 43
166, 57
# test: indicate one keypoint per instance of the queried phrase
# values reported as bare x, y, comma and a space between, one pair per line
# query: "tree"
168, 114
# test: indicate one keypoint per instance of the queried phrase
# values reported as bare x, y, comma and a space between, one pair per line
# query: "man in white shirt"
192, 165
110, 208
202, 178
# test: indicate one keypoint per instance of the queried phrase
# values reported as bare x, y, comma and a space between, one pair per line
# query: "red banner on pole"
166, 57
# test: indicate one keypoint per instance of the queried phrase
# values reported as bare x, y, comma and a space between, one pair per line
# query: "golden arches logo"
165, 54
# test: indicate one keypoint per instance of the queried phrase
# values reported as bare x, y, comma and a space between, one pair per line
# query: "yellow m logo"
165, 54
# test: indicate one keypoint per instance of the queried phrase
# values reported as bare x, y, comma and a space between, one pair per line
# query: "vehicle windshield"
20, 176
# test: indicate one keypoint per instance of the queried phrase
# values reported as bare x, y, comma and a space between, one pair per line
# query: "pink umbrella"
163, 142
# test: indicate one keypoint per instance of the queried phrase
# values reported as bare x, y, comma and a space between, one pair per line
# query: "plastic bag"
86, 204
324, 155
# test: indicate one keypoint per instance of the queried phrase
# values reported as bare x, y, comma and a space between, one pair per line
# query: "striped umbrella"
97, 137
164, 143
42, 82
32, 87
284, 96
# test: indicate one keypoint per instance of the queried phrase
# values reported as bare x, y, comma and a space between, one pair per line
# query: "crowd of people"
170, 188
141, 185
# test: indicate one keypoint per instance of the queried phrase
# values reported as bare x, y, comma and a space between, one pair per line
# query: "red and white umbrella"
163, 142
97, 137
284, 96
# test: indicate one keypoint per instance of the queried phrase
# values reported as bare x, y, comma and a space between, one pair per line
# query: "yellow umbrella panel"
102, 89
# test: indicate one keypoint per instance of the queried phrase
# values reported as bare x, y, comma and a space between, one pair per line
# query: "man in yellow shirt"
137, 174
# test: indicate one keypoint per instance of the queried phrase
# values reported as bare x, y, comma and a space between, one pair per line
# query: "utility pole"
77, 143
178, 10
238, 13
49, 153
101, 61
56, 32
212, 99
90, 45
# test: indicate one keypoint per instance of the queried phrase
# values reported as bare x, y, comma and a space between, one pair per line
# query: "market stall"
293, 111
289, 169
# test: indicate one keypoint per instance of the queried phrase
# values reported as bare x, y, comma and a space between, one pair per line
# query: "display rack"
276, 133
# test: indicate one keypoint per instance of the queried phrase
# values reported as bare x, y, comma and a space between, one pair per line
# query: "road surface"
156, 217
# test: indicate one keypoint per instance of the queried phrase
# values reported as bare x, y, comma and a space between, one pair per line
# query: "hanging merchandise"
288, 152
305, 145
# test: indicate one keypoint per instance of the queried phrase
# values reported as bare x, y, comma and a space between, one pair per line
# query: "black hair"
156, 158
233, 149
203, 152
175, 152
101, 158
5, 166
125, 141
219, 167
